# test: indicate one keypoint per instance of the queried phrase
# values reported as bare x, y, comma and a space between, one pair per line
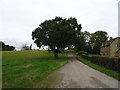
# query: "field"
23, 69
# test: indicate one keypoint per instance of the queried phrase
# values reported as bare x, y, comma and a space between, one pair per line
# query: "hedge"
107, 62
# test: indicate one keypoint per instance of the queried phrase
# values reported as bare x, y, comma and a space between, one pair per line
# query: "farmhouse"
111, 48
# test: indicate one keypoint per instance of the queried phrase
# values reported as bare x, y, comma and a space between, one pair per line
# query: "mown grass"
21, 69
100, 68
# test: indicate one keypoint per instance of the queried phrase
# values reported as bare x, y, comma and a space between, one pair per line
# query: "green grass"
99, 68
22, 69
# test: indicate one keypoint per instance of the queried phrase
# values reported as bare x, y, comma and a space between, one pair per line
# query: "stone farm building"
111, 48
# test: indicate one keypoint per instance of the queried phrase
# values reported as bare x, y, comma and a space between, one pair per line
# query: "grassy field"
22, 69
99, 68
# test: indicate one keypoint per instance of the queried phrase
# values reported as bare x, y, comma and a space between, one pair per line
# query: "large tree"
57, 33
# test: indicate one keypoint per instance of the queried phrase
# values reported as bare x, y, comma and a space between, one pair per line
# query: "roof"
118, 50
108, 43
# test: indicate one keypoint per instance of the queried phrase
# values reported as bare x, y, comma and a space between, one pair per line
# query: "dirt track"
77, 75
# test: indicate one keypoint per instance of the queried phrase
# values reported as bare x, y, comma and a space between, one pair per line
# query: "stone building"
111, 48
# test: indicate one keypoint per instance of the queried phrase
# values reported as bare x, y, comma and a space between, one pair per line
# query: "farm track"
77, 75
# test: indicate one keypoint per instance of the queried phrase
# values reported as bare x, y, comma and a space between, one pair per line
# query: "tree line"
4, 47
59, 33
91, 42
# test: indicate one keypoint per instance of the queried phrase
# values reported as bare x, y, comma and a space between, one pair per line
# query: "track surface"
77, 75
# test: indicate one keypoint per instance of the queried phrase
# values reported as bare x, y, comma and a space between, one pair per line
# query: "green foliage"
110, 63
109, 72
22, 69
82, 53
6, 47
87, 39
79, 42
90, 43
96, 40
57, 33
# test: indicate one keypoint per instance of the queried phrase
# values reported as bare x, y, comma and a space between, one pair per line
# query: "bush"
107, 62
82, 52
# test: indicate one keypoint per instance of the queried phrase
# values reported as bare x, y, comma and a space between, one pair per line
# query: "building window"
118, 45
103, 54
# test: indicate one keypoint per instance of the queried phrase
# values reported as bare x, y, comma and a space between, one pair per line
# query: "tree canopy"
90, 42
6, 47
96, 40
57, 33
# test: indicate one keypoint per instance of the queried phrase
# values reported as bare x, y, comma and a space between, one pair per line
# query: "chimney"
110, 38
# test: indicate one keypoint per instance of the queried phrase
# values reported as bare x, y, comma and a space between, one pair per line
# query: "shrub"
82, 52
107, 62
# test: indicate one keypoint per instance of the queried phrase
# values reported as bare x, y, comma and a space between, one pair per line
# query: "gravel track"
77, 75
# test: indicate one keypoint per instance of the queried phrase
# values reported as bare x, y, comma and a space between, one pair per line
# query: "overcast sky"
18, 18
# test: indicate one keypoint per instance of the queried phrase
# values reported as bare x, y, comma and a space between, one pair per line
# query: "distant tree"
79, 43
31, 47
49, 50
96, 40
57, 33
6, 47
87, 38
90, 43
25, 47
11, 48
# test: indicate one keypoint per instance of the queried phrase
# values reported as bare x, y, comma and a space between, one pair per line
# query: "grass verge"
21, 69
99, 68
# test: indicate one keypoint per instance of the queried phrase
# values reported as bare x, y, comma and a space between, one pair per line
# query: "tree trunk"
56, 55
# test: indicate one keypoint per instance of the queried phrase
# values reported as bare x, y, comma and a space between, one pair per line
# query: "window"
118, 45
103, 54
